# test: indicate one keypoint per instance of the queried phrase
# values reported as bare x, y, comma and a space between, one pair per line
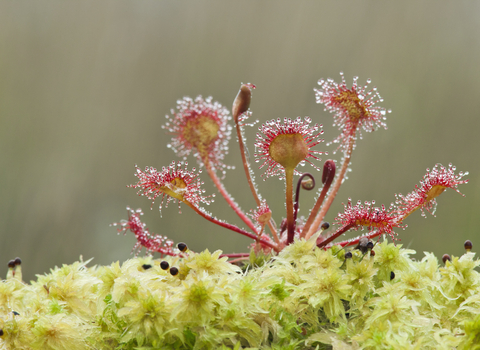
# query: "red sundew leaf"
200, 126
367, 216
353, 108
274, 128
174, 182
433, 184
151, 242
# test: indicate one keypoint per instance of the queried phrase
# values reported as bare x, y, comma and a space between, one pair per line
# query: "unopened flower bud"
242, 101
328, 171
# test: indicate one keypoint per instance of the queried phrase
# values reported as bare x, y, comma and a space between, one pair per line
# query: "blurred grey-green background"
85, 86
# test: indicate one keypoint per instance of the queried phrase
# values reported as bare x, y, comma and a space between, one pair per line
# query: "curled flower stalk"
306, 182
314, 221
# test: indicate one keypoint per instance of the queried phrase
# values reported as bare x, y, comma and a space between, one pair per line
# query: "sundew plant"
201, 127
295, 287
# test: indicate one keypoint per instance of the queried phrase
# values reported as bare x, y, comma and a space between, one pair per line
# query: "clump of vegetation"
295, 289
303, 298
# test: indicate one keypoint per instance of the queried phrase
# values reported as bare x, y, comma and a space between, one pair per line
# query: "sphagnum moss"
330, 303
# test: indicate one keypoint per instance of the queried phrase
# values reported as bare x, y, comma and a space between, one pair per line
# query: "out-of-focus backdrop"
85, 86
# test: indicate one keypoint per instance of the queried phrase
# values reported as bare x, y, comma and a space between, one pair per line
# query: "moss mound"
304, 298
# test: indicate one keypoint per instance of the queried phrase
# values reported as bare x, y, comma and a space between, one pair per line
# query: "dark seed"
370, 245
164, 265
348, 255
1, 332
392, 275
372, 252
11, 263
174, 271
15, 313
325, 226
146, 266
446, 257
18, 261
182, 247
468, 245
